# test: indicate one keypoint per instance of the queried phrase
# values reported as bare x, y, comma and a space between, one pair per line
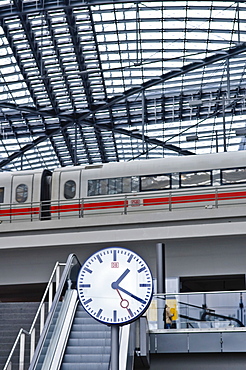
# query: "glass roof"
103, 81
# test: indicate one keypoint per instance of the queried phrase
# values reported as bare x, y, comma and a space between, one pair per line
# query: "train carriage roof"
99, 81
161, 165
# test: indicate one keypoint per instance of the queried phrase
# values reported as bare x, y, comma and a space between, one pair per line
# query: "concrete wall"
208, 256
195, 245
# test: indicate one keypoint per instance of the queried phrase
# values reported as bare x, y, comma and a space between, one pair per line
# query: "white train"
160, 184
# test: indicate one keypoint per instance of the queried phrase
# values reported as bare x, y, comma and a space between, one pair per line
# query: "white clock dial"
115, 286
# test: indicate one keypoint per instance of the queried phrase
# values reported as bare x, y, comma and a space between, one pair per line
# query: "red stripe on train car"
89, 206
66, 208
194, 198
233, 195
179, 199
19, 211
105, 205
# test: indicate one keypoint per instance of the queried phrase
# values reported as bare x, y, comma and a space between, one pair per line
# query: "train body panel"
164, 184
22, 195
145, 185
66, 192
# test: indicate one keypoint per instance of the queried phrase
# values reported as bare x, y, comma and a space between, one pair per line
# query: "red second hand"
123, 305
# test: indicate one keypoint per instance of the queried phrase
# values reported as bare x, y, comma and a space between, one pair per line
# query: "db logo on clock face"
115, 286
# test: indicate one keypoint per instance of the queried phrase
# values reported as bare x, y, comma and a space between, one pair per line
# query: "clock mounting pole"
115, 348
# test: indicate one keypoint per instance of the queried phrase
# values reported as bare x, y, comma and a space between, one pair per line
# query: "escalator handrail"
207, 313
195, 306
212, 314
52, 309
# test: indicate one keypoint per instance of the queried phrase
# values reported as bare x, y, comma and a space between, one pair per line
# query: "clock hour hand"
130, 294
115, 284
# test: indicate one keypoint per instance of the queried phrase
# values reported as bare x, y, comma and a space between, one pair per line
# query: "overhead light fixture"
192, 138
240, 131
195, 103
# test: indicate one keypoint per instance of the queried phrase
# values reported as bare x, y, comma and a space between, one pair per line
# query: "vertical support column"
216, 141
224, 123
161, 282
115, 347
238, 23
76, 144
143, 121
228, 78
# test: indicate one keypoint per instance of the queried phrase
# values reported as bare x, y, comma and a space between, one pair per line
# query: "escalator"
72, 339
88, 346
207, 316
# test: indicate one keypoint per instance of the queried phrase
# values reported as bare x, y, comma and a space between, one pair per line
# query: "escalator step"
98, 359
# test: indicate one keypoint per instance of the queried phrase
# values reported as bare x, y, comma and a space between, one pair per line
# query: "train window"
127, 184
69, 189
102, 187
233, 176
135, 184
115, 185
202, 178
93, 186
157, 182
21, 193
1, 195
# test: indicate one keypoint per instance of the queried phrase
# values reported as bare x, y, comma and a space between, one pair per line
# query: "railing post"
170, 201
125, 205
32, 344
82, 208
22, 352
42, 312
50, 295
216, 198
57, 276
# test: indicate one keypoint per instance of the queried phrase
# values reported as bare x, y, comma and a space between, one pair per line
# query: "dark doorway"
22, 293
212, 283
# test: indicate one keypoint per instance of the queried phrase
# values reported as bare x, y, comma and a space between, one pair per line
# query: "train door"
25, 204
5, 196
45, 195
66, 184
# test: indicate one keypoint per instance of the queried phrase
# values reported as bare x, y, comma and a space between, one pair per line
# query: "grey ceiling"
100, 81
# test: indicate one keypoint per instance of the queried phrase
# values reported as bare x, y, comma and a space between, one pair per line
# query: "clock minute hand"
115, 284
131, 295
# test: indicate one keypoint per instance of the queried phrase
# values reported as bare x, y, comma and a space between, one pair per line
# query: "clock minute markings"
141, 269
88, 301
84, 285
88, 270
99, 258
144, 285
99, 312
130, 258
130, 312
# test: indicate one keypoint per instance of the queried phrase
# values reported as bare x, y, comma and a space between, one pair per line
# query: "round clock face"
115, 286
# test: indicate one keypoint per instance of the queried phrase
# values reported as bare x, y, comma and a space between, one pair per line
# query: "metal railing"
210, 310
167, 201
50, 296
